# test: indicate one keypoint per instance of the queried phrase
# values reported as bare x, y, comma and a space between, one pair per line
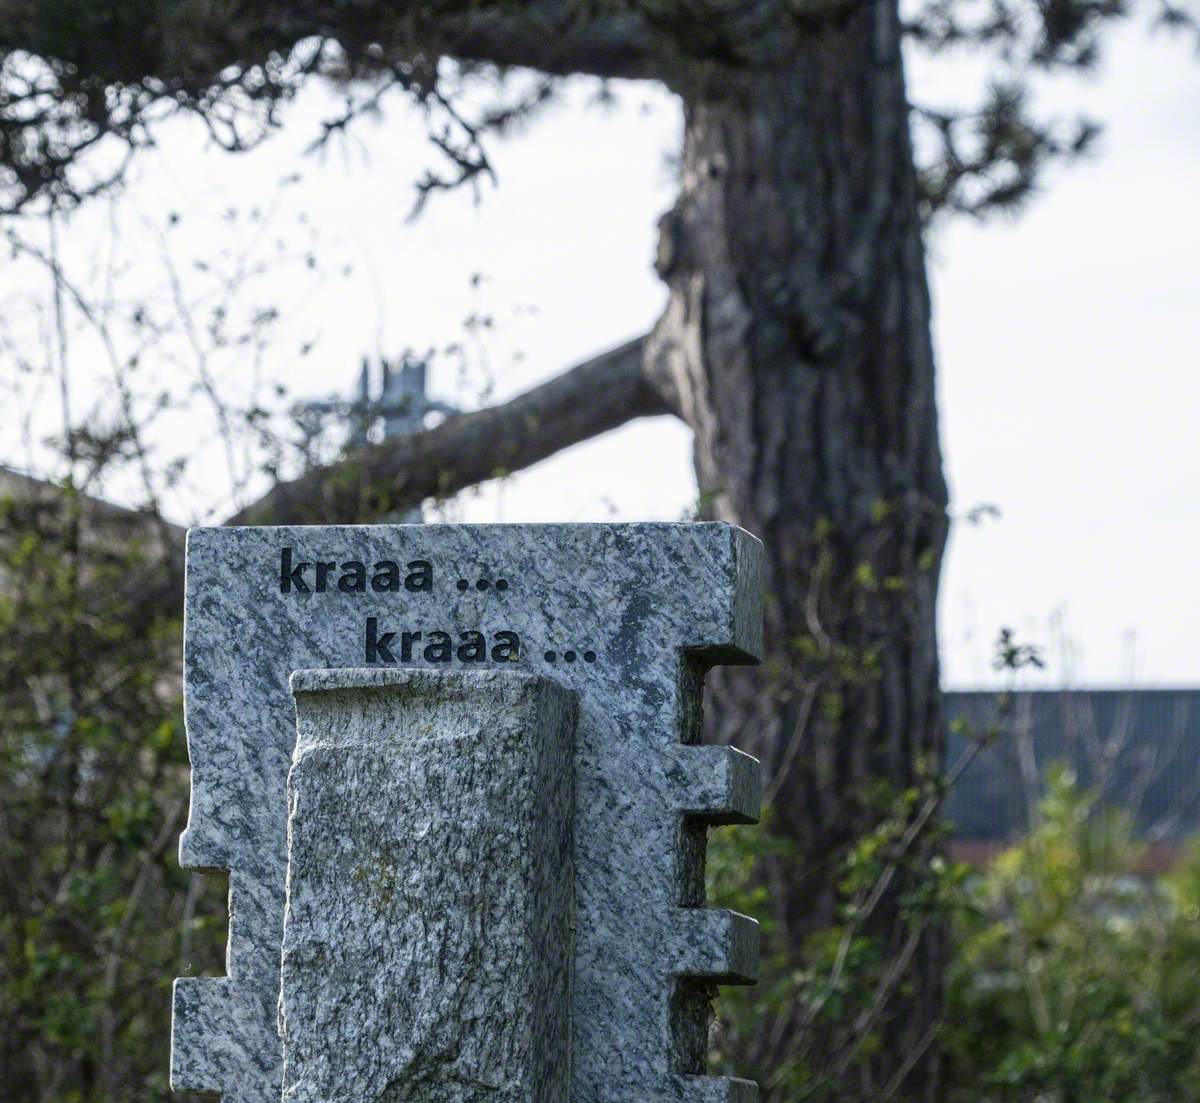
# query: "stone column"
429, 924
630, 618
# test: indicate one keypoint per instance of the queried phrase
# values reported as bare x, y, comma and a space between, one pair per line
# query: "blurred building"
1138, 750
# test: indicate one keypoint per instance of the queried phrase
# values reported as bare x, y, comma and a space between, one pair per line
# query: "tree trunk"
797, 345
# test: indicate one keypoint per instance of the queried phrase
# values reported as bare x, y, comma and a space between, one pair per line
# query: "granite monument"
454, 776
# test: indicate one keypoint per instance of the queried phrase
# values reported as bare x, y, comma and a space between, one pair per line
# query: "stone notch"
427, 941
627, 616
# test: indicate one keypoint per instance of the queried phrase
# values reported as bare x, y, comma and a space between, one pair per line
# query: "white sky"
1067, 339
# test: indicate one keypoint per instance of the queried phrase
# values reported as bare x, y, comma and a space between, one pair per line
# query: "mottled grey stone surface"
651, 606
428, 935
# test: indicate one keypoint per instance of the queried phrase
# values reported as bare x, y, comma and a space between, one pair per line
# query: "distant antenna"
402, 407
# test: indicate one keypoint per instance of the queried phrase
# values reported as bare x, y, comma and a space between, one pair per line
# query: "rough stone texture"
427, 942
655, 604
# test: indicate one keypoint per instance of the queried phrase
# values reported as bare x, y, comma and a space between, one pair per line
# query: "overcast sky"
1067, 339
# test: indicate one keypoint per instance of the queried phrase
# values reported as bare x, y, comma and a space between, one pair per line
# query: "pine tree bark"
797, 346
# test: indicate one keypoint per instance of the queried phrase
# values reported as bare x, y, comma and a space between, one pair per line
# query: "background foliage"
1072, 978
96, 917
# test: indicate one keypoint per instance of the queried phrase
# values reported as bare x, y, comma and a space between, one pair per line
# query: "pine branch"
116, 71
589, 399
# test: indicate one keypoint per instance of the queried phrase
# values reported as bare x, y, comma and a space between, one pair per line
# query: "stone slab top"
322, 679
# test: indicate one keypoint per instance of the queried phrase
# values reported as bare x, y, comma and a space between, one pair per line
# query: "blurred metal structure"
400, 408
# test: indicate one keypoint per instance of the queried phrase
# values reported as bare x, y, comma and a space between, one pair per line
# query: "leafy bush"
1070, 977
1073, 979
96, 917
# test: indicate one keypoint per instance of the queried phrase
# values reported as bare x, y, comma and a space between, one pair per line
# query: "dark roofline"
1071, 690
17, 482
